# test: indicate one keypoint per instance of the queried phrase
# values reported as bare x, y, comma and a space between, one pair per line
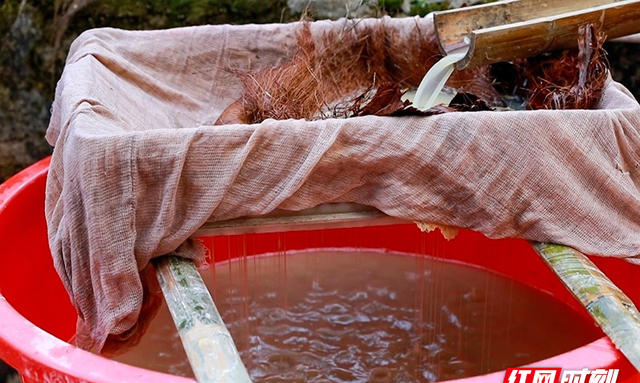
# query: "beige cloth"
138, 166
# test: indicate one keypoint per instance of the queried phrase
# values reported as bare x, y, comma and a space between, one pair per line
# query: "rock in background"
24, 101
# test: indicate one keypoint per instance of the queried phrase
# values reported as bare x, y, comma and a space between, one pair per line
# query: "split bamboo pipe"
506, 30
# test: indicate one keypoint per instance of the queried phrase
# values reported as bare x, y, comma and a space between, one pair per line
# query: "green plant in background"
391, 6
412, 7
423, 7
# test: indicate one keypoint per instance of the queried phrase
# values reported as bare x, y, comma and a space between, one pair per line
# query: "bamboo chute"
511, 29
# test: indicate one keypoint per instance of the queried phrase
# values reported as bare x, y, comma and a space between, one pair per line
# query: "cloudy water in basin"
355, 316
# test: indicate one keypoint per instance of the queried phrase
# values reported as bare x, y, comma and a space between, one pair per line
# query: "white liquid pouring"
432, 83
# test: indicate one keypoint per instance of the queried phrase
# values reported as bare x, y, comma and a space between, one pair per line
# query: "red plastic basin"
36, 315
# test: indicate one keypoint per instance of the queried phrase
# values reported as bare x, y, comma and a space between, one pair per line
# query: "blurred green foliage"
423, 7
390, 6
416, 7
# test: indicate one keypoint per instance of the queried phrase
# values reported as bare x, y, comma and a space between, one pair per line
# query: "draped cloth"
138, 165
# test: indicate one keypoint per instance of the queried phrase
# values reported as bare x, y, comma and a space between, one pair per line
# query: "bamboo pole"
510, 29
211, 351
612, 310
325, 216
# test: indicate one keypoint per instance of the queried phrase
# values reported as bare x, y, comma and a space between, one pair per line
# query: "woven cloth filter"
138, 166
